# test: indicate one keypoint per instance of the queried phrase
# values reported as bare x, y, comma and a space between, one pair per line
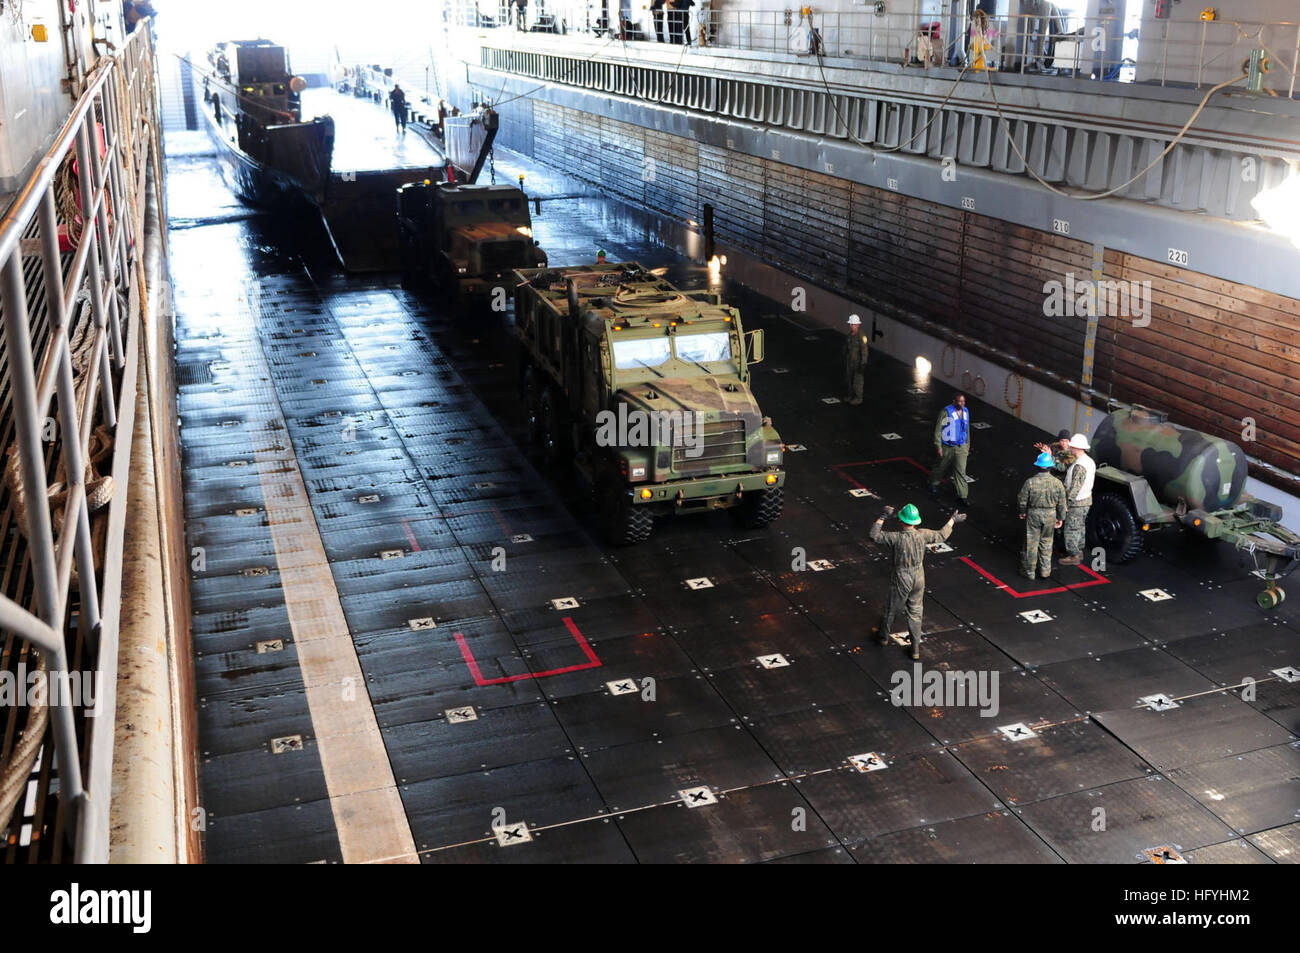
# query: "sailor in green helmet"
907, 584
1042, 506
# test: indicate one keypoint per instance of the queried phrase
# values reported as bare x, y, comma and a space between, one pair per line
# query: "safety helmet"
1044, 461
910, 515
1079, 442
600, 253
854, 320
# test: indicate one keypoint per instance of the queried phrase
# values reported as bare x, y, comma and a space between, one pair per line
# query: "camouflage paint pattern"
1075, 529
1179, 464
619, 302
1041, 502
1133, 487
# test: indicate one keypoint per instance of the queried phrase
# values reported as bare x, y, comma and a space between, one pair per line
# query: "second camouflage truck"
646, 389
466, 239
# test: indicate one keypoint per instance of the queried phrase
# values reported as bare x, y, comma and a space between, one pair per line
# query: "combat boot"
882, 637
1069, 560
916, 648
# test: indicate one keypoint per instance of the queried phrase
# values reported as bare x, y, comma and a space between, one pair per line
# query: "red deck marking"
841, 467
495, 511
1097, 578
410, 537
592, 661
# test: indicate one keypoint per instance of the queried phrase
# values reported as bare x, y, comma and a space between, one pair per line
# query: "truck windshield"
704, 348
640, 352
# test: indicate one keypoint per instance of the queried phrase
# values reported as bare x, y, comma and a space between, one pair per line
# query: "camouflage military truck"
1152, 473
465, 239
645, 389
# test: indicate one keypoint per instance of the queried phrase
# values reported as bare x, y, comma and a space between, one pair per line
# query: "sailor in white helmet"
1079, 478
856, 348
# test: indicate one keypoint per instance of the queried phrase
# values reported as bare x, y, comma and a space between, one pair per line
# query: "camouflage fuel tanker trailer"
646, 389
1152, 473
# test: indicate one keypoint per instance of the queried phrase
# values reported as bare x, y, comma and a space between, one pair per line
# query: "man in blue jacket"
952, 443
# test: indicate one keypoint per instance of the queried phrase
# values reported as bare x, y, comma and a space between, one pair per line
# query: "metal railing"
1164, 52
71, 250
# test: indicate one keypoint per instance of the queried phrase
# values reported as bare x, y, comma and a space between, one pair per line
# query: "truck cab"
465, 238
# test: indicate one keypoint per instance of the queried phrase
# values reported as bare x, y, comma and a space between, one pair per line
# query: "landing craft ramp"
371, 160
356, 475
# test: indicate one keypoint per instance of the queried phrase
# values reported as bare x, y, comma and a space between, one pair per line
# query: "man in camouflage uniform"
952, 443
907, 583
1042, 507
856, 349
1079, 478
1062, 455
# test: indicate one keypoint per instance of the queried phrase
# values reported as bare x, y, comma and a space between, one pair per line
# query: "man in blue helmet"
907, 583
1042, 507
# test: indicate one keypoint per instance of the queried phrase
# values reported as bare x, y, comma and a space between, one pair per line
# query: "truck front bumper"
707, 492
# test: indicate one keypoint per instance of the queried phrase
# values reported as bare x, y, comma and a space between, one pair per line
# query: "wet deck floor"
365, 135
372, 689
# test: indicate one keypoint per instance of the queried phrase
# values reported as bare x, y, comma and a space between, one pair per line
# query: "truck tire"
554, 425
530, 394
623, 523
1112, 525
760, 507
410, 276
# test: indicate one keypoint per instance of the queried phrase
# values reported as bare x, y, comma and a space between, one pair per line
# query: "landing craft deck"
372, 159
688, 699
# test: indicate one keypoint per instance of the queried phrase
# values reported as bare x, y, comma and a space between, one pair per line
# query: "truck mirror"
755, 347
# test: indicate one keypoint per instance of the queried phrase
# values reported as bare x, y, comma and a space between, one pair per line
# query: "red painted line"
501, 520
592, 660
1097, 578
505, 527
410, 537
867, 463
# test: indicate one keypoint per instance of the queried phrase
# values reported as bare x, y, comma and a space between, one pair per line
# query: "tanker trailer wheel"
554, 430
1271, 598
1112, 525
530, 394
623, 523
759, 507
